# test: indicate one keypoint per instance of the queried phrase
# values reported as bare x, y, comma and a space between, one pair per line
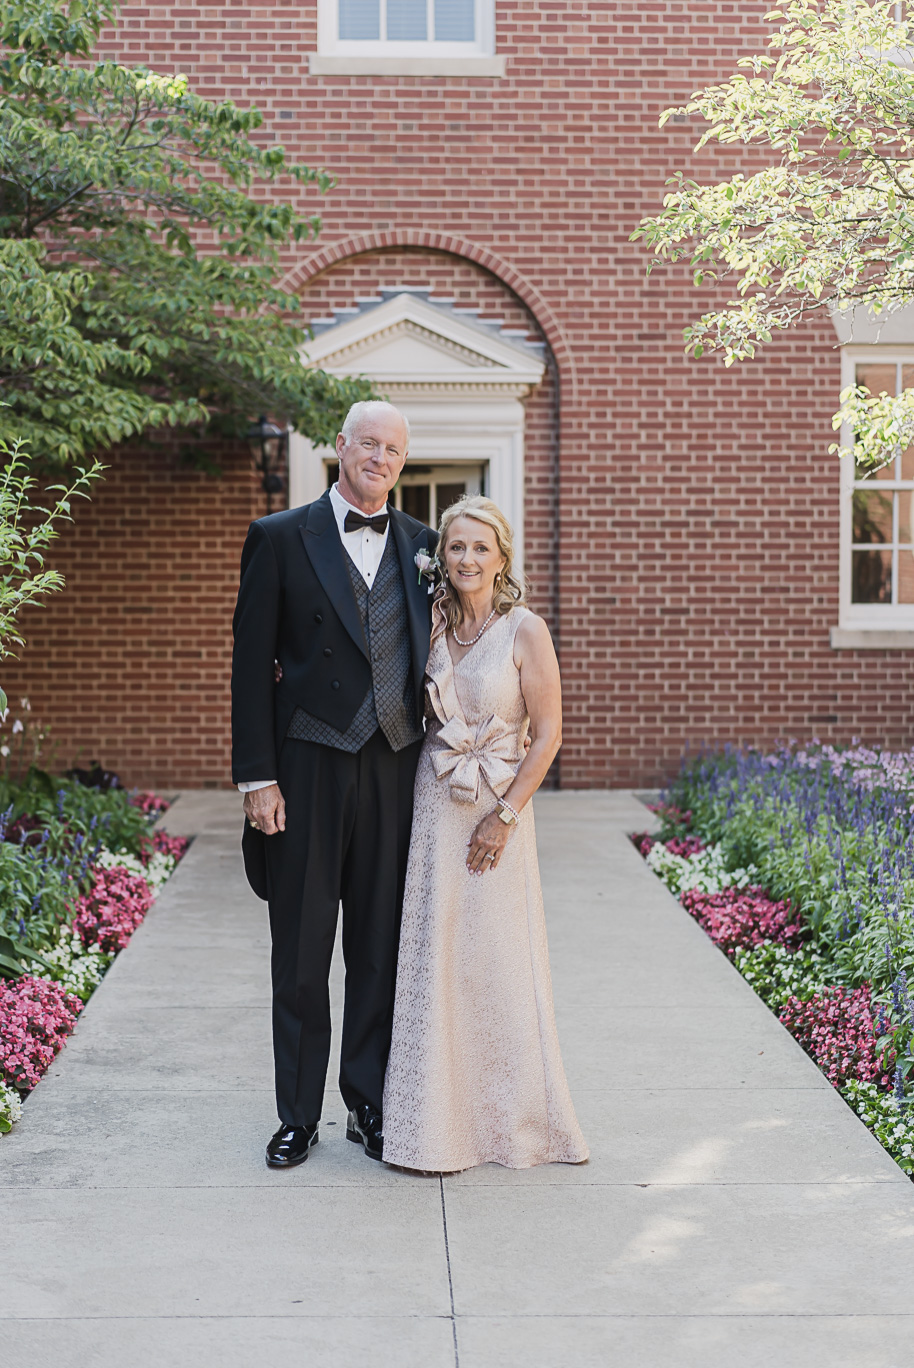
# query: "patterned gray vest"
390, 702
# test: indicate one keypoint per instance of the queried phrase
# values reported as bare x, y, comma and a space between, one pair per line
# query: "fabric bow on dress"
462, 751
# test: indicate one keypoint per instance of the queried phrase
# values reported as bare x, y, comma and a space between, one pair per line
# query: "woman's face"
472, 558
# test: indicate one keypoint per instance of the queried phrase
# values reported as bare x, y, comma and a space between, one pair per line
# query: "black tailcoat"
296, 606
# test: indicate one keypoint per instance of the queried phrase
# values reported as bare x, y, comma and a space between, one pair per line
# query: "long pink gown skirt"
475, 1073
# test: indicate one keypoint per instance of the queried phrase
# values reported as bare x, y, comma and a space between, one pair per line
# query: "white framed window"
877, 519
421, 37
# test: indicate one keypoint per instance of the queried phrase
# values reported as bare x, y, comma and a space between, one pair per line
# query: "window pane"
872, 517
906, 576
360, 19
905, 517
416, 501
907, 464
406, 19
448, 494
455, 21
871, 577
878, 379
886, 472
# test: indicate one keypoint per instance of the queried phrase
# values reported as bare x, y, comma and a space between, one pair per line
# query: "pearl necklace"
478, 634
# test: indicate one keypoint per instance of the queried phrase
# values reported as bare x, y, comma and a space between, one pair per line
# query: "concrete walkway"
734, 1210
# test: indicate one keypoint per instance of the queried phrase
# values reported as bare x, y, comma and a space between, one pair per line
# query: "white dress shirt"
365, 547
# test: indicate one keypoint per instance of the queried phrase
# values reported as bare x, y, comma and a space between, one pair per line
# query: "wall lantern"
269, 446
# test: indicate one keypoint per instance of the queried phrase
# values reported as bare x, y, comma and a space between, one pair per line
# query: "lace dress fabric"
475, 1073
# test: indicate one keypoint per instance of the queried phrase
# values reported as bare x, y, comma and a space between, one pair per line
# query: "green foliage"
890, 1120
29, 522
776, 973
782, 820
44, 874
829, 224
140, 241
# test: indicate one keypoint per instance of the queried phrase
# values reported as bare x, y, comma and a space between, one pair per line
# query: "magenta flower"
35, 1019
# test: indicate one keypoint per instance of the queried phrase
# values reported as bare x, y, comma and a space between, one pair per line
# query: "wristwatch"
506, 813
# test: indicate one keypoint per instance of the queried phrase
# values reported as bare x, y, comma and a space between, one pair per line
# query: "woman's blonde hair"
509, 587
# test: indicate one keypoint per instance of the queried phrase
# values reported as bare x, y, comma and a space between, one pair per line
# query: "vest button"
327, 651
318, 618
335, 684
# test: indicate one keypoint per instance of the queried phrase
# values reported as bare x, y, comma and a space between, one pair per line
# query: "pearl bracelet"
508, 808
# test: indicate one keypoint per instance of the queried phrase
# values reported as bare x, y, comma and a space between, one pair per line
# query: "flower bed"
800, 866
79, 870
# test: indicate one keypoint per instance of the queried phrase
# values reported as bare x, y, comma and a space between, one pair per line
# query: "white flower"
75, 968
4, 751
10, 1106
159, 868
428, 566
17, 726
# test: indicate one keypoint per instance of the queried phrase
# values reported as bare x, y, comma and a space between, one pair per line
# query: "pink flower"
175, 846
743, 917
113, 908
686, 846
150, 803
836, 1028
35, 1019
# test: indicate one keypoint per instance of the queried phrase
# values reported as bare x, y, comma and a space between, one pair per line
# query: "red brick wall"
129, 664
697, 507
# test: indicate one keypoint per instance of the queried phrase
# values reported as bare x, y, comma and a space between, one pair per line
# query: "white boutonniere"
429, 568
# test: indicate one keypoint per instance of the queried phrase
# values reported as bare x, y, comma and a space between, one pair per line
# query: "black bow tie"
356, 520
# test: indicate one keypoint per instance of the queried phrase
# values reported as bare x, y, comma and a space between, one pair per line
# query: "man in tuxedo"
325, 748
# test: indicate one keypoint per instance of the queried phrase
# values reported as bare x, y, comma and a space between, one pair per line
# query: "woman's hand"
487, 843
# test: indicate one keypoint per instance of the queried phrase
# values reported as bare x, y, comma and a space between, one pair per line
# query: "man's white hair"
364, 409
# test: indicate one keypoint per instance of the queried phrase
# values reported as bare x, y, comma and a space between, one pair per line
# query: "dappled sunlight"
662, 1240
697, 1163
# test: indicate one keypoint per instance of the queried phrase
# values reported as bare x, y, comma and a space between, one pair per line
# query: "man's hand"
265, 809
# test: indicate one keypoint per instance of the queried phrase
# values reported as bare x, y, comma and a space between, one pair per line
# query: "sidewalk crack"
450, 1281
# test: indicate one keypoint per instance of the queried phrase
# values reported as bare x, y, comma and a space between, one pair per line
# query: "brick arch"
334, 252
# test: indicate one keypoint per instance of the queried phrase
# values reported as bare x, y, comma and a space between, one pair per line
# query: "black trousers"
348, 820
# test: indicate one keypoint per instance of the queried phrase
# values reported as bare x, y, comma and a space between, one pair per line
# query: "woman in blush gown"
475, 1073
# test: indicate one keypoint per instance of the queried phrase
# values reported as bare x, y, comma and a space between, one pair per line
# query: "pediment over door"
406, 343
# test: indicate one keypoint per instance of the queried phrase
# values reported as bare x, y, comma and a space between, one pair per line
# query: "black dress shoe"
364, 1127
290, 1146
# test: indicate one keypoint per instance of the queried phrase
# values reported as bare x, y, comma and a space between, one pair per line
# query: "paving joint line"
450, 1281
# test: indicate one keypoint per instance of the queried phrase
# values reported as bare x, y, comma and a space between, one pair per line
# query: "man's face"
371, 461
